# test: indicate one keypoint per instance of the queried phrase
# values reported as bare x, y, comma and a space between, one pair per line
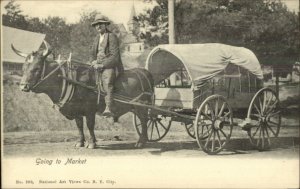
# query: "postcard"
150, 94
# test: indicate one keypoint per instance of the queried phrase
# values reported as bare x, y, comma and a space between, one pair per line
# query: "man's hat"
100, 19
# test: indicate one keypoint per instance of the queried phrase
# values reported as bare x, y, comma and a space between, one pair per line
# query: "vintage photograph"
150, 93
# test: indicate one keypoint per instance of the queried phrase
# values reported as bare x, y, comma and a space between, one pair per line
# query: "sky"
117, 10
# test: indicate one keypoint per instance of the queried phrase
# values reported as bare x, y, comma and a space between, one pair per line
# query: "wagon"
210, 88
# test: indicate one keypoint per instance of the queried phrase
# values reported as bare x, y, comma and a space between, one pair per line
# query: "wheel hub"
218, 124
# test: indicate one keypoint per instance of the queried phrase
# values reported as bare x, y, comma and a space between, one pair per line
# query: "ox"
43, 76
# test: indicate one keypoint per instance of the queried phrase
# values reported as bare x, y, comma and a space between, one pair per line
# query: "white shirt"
101, 38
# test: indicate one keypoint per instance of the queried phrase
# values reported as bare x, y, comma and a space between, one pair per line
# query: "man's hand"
94, 62
97, 66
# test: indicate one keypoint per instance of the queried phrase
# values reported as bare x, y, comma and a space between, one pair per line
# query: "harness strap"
141, 83
68, 88
145, 76
50, 74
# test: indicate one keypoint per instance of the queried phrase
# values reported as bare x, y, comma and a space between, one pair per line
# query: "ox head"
33, 66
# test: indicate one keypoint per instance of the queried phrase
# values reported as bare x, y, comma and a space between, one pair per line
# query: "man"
105, 57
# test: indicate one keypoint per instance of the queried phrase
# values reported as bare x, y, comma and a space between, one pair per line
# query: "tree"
14, 17
58, 35
154, 24
265, 26
82, 35
36, 25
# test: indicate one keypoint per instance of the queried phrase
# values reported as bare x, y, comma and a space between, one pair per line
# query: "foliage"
58, 34
265, 26
13, 16
154, 24
63, 37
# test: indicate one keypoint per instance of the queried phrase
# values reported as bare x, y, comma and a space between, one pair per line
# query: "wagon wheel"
265, 115
213, 125
157, 127
189, 127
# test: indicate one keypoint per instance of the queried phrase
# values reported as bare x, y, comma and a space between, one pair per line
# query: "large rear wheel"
265, 115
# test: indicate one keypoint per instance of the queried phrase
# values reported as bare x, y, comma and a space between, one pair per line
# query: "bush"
34, 112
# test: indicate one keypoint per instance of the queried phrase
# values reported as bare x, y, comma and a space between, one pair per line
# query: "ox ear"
47, 50
19, 52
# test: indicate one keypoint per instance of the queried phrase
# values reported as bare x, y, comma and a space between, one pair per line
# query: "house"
133, 45
285, 72
22, 40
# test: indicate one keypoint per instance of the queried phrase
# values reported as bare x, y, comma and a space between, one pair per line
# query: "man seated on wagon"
105, 58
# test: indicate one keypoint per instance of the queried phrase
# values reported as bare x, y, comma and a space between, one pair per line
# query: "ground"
176, 144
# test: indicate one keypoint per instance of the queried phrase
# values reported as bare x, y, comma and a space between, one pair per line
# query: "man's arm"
111, 59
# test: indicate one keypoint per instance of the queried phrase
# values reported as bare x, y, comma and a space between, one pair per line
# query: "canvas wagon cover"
202, 61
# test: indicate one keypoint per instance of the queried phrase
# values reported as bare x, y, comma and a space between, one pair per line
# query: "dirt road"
176, 143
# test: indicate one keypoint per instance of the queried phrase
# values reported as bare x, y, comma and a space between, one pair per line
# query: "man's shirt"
101, 38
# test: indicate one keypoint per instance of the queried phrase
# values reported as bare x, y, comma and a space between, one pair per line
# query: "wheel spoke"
256, 131
271, 129
157, 129
226, 114
162, 125
258, 140
219, 139
206, 132
204, 114
213, 142
152, 129
223, 133
256, 115
149, 123
255, 106
267, 133
263, 137
264, 101
222, 109
268, 104
208, 139
274, 114
274, 123
273, 106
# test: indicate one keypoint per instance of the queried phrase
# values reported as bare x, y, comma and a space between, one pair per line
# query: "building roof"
132, 15
121, 28
130, 38
22, 40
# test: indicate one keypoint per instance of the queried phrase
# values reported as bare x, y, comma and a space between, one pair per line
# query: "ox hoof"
91, 145
79, 144
140, 144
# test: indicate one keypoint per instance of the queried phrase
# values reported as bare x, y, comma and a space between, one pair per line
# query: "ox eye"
29, 59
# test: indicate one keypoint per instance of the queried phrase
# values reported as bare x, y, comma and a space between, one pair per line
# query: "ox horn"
18, 52
46, 51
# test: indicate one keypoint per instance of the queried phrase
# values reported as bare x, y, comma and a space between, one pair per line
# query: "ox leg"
79, 123
144, 135
90, 122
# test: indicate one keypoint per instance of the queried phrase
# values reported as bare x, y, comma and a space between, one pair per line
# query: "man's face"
101, 28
